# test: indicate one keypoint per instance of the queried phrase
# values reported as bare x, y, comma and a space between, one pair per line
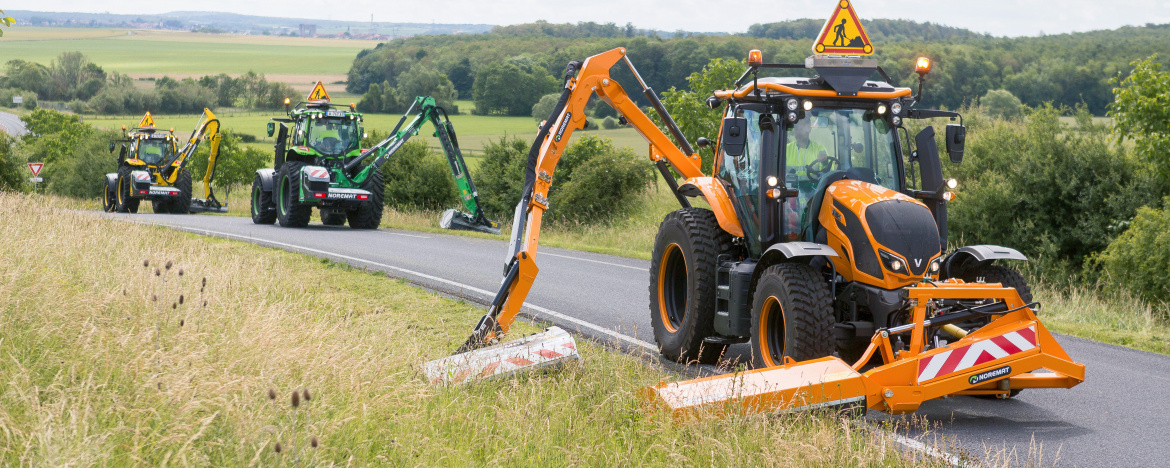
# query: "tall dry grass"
100, 364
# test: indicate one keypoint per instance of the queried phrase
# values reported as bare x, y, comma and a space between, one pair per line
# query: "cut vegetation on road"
107, 362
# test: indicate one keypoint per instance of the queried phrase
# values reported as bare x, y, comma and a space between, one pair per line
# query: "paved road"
1119, 417
11, 124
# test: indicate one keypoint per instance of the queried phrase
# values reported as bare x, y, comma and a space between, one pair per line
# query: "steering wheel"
818, 168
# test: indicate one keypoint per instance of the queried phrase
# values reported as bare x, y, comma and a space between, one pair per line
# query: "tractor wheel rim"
772, 331
255, 200
672, 288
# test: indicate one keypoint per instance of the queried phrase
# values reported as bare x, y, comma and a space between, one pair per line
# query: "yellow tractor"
815, 246
152, 166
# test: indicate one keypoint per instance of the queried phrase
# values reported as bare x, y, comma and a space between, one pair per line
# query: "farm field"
473, 131
297, 61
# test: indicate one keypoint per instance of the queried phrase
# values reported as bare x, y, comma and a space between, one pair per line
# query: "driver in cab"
805, 160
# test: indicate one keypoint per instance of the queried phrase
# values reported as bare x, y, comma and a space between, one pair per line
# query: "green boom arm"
427, 111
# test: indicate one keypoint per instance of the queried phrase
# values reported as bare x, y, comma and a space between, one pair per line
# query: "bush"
76, 156
1050, 190
500, 175
609, 123
1002, 104
599, 181
12, 171
236, 166
1140, 257
593, 181
544, 107
417, 177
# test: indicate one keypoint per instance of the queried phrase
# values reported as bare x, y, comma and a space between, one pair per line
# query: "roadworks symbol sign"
319, 93
147, 121
843, 33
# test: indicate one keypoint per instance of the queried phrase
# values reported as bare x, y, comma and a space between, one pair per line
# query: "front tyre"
109, 196
1006, 276
792, 316
682, 284
290, 212
182, 205
263, 210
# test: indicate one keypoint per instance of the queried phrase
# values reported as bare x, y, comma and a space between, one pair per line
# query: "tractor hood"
892, 238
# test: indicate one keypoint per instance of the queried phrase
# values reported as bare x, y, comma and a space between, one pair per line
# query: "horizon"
1074, 16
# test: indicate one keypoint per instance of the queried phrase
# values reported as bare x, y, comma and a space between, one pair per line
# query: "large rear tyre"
125, 203
182, 205
792, 316
290, 212
263, 210
682, 284
368, 215
1006, 276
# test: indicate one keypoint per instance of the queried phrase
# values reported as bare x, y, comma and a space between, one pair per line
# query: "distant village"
368, 31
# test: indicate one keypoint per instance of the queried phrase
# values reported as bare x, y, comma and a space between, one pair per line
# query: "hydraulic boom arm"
428, 111
582, 81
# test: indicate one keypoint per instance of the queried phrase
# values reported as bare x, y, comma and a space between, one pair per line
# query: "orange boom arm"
582, 81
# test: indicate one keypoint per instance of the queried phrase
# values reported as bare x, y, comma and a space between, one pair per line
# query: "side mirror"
271, 128
734, 135
956, 136
112, 145
702, 142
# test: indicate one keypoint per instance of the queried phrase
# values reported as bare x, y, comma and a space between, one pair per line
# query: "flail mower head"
997, 359
550, 348
460, 221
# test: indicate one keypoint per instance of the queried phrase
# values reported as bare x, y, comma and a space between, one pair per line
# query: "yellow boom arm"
582, 81
207, 127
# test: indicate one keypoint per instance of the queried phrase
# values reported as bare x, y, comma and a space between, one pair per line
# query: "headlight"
935, 266
896, 121
952, 183
892, 262
772, 181
881, 109
807, 105
896, 108
792, 104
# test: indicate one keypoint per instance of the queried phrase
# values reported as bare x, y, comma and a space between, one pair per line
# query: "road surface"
11, 124
1120, 416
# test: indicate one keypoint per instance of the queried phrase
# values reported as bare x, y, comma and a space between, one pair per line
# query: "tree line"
1066, 70
86, 87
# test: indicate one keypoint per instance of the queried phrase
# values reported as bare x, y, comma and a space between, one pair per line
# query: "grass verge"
105, 362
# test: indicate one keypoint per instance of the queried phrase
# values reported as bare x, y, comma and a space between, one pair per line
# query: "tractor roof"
818, 87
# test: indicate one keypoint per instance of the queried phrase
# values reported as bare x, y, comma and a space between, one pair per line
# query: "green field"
473, 131
153, 53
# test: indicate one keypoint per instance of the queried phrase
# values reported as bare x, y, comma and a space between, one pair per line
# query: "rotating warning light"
755, 58
922, 67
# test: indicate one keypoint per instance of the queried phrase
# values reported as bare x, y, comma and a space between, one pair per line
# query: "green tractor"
319, 162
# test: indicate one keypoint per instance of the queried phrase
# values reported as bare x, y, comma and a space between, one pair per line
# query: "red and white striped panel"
141, 176
547, 348
974, 354
318, 173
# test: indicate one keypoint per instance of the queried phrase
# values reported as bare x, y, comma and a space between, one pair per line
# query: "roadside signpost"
36, 167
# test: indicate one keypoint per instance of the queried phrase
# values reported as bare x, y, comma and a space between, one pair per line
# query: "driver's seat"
809, 220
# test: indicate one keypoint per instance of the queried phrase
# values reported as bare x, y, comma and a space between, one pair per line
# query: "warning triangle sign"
147, 121
843, 33
36, 168
319, 93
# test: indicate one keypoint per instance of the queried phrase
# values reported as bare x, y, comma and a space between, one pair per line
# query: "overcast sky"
998, 17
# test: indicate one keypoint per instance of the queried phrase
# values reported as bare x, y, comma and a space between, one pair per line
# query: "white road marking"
461, 286
595, 261
406, 235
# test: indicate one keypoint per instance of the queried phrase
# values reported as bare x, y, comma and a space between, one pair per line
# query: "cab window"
333, 136
154, 152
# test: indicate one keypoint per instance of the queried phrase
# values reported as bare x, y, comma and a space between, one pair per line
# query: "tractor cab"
321, 133
153, 148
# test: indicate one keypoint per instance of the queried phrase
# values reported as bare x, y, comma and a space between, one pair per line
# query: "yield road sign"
36, 168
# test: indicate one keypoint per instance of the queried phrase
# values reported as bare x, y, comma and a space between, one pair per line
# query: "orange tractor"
814, 248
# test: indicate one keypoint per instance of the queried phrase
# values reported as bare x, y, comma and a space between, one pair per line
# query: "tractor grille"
907, 229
